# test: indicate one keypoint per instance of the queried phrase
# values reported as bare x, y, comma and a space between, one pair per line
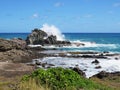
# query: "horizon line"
64, 32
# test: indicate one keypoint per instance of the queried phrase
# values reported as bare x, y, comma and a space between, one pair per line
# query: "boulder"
98, 67
36, 37
95, 62
80, 72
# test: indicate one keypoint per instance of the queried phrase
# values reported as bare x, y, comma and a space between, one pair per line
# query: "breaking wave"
53, 30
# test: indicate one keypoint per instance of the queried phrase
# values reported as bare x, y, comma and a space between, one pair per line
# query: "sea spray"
53, 30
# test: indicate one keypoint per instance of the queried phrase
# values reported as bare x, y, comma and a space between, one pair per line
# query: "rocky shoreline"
18, 51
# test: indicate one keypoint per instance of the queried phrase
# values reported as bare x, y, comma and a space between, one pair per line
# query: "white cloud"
58, 4
35, 15
116, 4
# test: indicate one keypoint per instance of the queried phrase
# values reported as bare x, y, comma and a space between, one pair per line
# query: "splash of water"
53, 30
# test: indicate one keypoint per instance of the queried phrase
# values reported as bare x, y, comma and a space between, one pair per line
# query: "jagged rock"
77, 69
51, 40
40, 37
36, 37
95, 62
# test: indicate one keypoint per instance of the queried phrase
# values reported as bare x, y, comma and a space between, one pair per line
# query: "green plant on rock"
62, 79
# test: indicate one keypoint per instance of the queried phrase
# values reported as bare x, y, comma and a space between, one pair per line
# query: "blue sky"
67, 15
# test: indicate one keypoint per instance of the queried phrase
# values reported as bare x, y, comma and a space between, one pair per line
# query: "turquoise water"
94, 41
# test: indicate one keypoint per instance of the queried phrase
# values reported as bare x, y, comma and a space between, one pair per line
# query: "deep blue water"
102, 41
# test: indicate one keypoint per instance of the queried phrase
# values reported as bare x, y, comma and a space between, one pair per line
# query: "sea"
100, 42
96, 42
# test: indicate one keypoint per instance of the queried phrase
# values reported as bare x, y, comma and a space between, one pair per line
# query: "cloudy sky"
67, 15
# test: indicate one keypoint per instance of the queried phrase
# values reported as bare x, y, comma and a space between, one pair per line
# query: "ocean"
93, 41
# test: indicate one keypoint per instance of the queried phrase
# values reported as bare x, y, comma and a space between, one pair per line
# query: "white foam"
35, 45
53, 30
94, 44
111, 65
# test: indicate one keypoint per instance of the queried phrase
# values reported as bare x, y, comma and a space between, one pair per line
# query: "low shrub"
62, 79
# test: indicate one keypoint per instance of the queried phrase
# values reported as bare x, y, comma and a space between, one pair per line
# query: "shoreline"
18, 58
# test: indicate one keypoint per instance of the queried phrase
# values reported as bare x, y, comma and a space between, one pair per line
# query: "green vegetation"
59, 79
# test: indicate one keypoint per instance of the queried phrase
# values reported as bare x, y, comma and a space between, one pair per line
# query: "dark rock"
37, 62
77, 69
36, 37
44, 64
51, 64
64, 42
98, 67
116, 58
104, 74
51, 40
38, 48
101, 75
105, 52
40, 37
101, 54
93, 56
95, 62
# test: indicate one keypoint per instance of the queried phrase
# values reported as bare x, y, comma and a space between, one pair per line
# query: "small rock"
95, 62
98, 67
116, 58
77, 69
37, 62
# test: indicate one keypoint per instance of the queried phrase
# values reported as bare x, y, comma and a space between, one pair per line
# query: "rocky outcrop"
6, 45
104, 74
40, 37
15, 56
15, 50
36, 37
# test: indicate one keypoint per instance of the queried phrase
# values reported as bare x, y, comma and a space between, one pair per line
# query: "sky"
67, 15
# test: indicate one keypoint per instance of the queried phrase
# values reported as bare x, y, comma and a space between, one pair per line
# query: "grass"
4, 86
62, 79
31, 85
59, 79
109, 82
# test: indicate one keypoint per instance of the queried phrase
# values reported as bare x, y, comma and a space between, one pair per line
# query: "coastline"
18, 58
